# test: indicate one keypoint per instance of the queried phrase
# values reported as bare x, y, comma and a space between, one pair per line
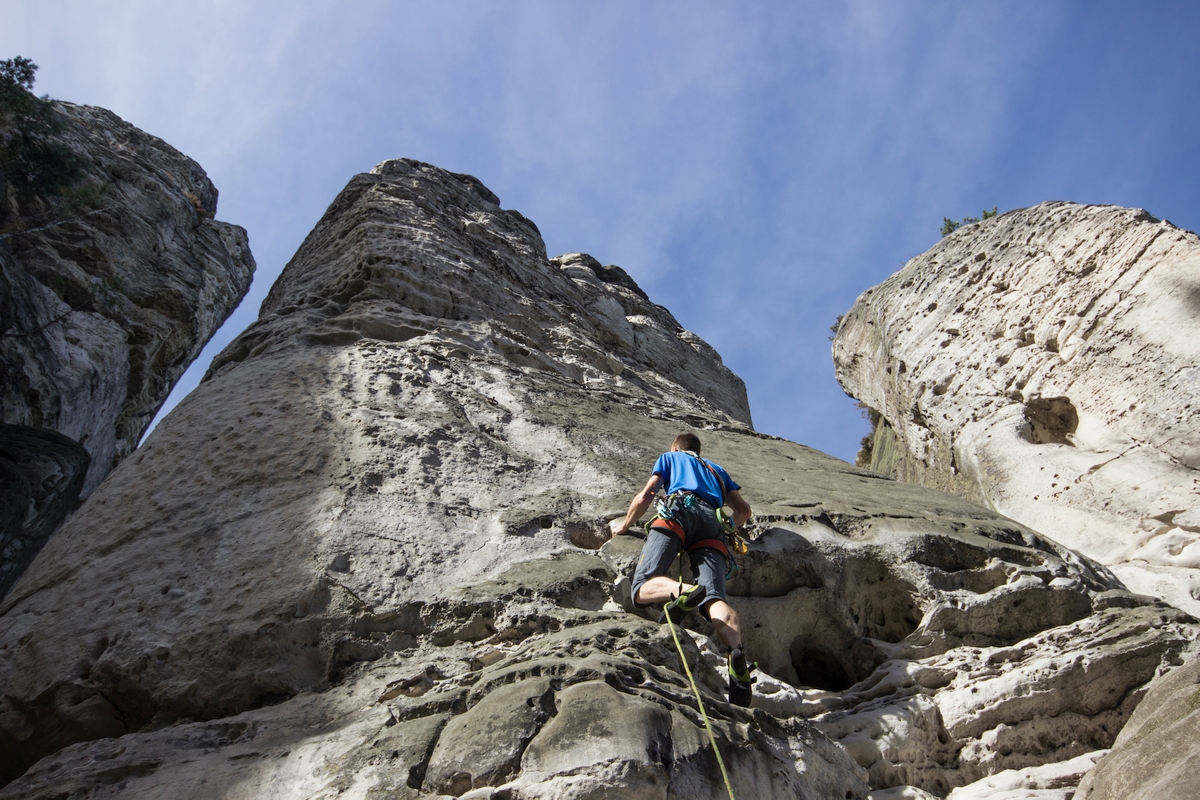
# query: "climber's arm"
641, 501
741, 509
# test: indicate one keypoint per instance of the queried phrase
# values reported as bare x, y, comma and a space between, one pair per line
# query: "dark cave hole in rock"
832, 659
1052, 420
817, 666
833, 636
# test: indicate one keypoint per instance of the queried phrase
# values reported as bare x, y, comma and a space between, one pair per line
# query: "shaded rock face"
1157, 754
105, 302
1047, 363
41, 473
366, 557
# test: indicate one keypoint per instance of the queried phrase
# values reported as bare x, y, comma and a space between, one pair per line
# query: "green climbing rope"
696, 691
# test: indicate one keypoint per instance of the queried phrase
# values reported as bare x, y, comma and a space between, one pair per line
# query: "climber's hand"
637, 507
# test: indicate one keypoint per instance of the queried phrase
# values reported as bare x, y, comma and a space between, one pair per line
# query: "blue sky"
755, 166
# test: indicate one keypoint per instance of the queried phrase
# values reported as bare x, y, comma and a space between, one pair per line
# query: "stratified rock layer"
1047, 363
107, 294
364, 558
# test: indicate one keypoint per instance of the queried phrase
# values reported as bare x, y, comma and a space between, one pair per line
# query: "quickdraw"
737, 542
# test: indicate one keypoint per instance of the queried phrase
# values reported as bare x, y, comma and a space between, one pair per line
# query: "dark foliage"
33, 163
866, 447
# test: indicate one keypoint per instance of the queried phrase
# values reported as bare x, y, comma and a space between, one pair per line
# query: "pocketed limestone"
1046, 363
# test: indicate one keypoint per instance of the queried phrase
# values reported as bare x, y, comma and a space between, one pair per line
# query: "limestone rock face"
106, 296
1047, 363
397, 257
105, 300
1157, 754
367, 557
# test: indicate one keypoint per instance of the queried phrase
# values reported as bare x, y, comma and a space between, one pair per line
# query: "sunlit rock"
1047, 363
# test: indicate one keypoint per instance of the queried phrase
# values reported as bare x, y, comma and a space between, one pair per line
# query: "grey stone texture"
1157, 754
367, 558
107, 294
1046, 363
41, 474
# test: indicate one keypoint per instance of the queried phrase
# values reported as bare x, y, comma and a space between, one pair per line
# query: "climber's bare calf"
660, 590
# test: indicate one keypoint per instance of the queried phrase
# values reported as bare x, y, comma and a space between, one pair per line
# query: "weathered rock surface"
1157, 754
361, 560
41, 473
108, 295
389, 264
1047, 363
1050, 782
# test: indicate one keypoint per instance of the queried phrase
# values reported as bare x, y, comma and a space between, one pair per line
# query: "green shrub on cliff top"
949, 226
32, 162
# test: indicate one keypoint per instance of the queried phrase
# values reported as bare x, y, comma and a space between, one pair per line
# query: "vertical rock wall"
1047, 363
107, 294
112, 292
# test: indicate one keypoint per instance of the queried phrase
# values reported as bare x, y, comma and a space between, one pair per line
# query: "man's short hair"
687, 441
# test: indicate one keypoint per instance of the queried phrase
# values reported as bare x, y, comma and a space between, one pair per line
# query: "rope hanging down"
703, 714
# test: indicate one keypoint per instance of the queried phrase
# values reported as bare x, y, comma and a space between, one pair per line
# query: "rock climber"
696, 489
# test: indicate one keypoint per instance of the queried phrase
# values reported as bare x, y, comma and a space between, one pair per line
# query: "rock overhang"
108, 291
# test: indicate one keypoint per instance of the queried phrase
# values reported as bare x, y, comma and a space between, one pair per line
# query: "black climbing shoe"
678, 608
740, 679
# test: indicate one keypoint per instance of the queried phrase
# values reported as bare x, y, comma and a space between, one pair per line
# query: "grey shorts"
697, 524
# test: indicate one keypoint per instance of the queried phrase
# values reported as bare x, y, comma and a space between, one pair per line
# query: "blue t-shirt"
683, 471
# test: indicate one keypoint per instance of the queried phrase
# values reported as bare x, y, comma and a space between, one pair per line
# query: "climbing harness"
703, 714
665, 509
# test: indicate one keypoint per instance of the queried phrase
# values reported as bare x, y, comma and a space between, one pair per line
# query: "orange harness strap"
677, 529
715, 544
669, 525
